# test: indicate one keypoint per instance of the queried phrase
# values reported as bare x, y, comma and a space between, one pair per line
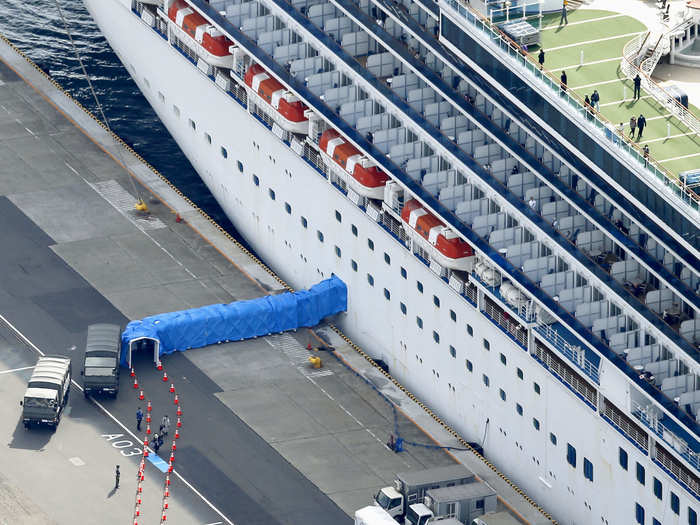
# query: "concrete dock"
266, 439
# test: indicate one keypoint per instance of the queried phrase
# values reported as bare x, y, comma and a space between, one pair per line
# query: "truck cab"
391, 500
101, 365
418, 514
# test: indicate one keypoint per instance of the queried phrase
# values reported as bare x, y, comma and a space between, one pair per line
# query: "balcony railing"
662, 179
575, 354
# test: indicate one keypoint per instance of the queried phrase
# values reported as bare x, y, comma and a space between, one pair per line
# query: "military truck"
47, 391
101, 365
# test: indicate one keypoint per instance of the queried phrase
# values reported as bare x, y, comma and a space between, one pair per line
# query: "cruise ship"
510, 260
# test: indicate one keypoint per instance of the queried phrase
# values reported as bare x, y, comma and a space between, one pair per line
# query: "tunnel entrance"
143, 345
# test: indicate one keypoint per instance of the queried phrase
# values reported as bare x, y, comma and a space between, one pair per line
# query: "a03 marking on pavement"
125, 446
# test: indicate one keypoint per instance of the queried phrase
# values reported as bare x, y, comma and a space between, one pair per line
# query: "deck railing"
662, 179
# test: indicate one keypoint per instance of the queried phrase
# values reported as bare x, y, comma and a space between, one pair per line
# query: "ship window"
470, 366
641, 474
337, 251
519, 409
503, 359
193, 124
370, 279
338, 216
470, 330
271, 192
354, 230
176, 110
304, 222
436, 301
256, 180
587, 469
675, 504
240, 166
537, 388
658, 488
370, 244
639, 513
571, 455
161, 97
288, 208
485, 379
553, 438
436, 336
487, 345
654, 521
453, 315
419, 285
319, 234
387, 294
623, 458
207, 137
354, 265
502, 393
404, 274
224, 153
453, 351
692, 517
535, 423
403, 308
520, 373
387, 259
419, 322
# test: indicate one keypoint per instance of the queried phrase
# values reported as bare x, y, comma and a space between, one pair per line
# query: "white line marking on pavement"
582, 22
667, 138
602, 83
681, 157
22, 338
577, 44
29, 131
16, 370
576, 66
618, 102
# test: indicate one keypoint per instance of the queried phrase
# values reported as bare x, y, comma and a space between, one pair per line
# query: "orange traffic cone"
148, 407
142, 476
164, 517
133, 374
137, 512
145, 452
148, 429
174, 447
172, 388
179, 411
308, 346
166, 494
177, 434
140, 488
165, 503
159, 365
176, 400
165, 376
136, 383
167, 480
172, 457
179, 423
148, 418
141, 396
138, 499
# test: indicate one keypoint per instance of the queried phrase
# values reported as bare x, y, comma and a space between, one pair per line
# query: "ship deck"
589, 49
266, 439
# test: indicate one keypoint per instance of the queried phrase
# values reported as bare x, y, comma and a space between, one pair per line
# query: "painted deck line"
16, 370
602, 83
618, 102
547, 28
577, 44
666, 138
681, 157
576, 66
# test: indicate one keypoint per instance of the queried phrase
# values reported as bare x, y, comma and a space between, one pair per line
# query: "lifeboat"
210, 43
289, 110
365, 179
444, 245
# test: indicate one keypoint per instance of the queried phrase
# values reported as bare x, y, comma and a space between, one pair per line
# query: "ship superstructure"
514, 268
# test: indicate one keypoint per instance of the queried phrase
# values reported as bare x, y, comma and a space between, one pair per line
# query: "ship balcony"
562, 340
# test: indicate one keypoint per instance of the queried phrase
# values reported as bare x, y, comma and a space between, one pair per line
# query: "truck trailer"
47, 391
460, 502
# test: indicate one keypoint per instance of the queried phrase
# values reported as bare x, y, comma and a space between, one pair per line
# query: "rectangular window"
354, 230
553, 439
337, 251
675, 504
436, 301
485, 379
404, 274
387, 259
419, 322
658, 489
641, 474
692, 517
487, 345
436, 336
419, 285
354, 265
453, 351
587, 469
654, 521
470, 330
453, 315
623, 458
469, 365
387, 294
403, 308
639, 513
370, 279
571, 455
519, 409
503, 359
370, 244
338, 216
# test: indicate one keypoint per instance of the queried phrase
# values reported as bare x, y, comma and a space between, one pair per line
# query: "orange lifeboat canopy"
289, 107
197, 27
352, 161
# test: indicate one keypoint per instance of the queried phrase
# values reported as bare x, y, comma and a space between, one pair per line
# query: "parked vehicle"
47, 391
373, 515
410, 487
101, 364
461, 502
496, 518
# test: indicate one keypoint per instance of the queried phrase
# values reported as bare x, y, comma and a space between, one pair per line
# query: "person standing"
641, 124
637, 87
156, 443
646, 155
540, 58
165, 425
139, 418
595, 100
563, 13
117, 475
633, 125
563, 80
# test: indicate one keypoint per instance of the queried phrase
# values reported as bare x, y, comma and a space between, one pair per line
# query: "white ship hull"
526, 454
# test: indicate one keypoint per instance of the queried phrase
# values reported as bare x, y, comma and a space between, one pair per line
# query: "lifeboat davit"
365, 179
210, 43
444, 245
288, 109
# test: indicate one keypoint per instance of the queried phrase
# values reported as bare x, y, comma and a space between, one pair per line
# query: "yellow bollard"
141, 206
315, 361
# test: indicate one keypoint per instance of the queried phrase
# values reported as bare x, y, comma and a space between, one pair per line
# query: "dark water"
36, 28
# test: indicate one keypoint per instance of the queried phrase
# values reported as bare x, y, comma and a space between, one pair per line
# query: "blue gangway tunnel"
218, 323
